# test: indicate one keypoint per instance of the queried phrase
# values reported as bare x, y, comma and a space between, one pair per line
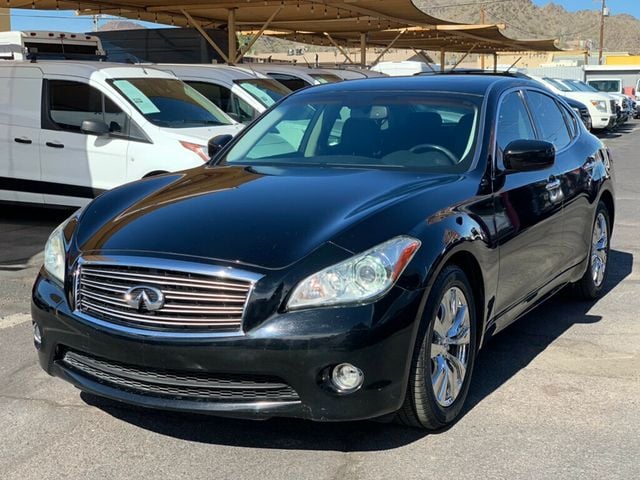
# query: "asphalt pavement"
556, 396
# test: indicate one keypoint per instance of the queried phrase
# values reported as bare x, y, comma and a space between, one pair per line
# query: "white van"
291, 76
17, 45
404, 68
70, 130
241, 94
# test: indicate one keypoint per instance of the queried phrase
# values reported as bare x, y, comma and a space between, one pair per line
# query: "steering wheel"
437, 148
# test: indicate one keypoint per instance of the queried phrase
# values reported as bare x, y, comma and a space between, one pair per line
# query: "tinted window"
572, 123
373, 129
265, 90
71, 103
549, 119
226, 100
610, 86
170, 103
514, 122
289, 81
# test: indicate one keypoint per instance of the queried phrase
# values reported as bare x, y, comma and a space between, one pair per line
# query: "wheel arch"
607, 198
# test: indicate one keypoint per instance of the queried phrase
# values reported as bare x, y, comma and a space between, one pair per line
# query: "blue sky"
27, 19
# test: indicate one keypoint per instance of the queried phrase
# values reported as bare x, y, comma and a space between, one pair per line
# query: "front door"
78, 166
528, 208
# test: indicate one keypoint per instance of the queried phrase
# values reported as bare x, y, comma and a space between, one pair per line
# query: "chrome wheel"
450, 346
599, 250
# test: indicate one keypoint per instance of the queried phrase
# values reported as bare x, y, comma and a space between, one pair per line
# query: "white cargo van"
51, 45
241, 94
70, 130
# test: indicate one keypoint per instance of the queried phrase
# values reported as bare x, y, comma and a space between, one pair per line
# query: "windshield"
559, 85
581, 86
373, 129
609, 86
266, 91
169, 102
325, 77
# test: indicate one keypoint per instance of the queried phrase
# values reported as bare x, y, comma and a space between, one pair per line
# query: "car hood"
267, 217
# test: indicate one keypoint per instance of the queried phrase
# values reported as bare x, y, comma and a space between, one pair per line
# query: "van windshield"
265, 90
167, 102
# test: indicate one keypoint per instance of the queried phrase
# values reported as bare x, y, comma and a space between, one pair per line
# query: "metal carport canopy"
369, 22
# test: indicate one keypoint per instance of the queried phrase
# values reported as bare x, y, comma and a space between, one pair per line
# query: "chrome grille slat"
193, 301
166, 280
159, 321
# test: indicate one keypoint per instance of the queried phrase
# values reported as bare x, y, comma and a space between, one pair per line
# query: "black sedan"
344, 258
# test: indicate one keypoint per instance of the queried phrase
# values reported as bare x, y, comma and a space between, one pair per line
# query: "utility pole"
482, 20
604, 12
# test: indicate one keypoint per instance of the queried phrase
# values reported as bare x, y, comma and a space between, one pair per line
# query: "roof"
346, 19
86, 69
469, 84
221, 72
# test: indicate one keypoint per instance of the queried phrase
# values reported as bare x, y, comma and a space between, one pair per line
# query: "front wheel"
444, 355
590, 286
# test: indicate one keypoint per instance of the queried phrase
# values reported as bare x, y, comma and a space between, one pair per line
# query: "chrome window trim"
232, 273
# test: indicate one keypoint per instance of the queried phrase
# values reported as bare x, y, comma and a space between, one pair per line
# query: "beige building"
5, 20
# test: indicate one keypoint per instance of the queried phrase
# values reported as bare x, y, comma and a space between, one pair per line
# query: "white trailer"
50, 45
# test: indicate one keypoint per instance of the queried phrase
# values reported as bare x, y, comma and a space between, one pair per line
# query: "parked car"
614, 88
353, 274
71, 130
240, 94
404, 68
602, 107
293, 77
581, 110
353, 72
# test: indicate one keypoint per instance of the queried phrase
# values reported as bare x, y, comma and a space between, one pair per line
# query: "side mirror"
94, 127
529, 155
217, 143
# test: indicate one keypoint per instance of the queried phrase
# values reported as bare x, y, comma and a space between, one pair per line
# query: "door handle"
54, 145
553, 184
23, 140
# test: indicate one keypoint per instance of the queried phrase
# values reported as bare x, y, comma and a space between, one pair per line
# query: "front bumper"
297, 348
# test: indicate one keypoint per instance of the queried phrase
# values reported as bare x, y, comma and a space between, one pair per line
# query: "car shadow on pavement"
500, 360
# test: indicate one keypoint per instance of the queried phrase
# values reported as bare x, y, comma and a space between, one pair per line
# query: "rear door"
20, 178
75, 165
528, 217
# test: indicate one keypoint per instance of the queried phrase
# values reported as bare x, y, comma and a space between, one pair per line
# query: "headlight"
55, 250
600, 105
360, 279
54, 253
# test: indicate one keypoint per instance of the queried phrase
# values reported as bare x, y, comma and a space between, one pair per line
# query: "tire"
590, 286
423, 407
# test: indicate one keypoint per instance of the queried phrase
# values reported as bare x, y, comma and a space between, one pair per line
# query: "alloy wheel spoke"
459, 324
437, 349
438, 378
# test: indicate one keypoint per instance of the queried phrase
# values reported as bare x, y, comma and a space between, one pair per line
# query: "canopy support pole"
233, 39
443, 57
254, 39
426, 59
342, 50
387, 48
495, 62
464, 56
363, 50
205, 35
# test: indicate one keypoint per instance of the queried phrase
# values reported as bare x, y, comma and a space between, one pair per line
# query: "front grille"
614, 105
192, 302
187, 386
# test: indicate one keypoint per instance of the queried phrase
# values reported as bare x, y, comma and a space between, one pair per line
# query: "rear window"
609, 86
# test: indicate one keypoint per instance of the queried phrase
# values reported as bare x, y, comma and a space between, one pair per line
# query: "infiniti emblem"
144, 298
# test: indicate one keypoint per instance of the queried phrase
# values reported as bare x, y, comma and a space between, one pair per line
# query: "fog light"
347, 378
37, 336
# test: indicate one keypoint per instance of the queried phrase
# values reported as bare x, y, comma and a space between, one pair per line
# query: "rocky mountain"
525, 20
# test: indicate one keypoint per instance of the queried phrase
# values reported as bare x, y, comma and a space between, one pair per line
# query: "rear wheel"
444, 355
591, 284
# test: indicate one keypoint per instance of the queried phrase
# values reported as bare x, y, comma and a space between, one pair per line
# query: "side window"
549, 119
289, 81
215, 93
71, 103
514, 122
572, 123
244, 112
